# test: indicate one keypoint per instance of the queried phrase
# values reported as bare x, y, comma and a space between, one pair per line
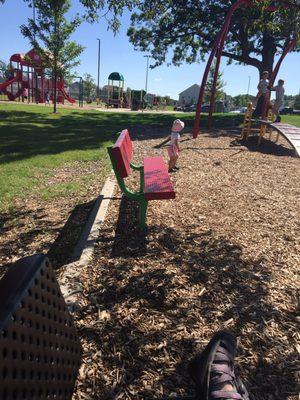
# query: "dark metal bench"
155, 182
39, 348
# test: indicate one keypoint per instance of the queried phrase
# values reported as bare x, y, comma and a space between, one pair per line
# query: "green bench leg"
142, 213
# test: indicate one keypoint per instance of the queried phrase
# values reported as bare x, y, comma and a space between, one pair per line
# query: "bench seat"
157, 182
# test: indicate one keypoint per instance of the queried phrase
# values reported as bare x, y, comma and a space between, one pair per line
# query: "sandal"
214, 368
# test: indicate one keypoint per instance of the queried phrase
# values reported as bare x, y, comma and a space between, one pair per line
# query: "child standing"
173, 149
25, 95
263, 95
47, 99
263, 86
279, 101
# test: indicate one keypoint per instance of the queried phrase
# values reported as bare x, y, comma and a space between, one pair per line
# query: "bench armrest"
136, 167
141, 169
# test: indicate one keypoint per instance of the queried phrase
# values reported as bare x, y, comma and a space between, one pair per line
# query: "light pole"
249, 81
98, 82
147, 72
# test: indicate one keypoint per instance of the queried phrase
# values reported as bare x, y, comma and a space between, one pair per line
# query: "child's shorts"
278, 105
173, 151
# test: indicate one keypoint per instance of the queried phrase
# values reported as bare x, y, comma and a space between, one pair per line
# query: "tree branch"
243, 58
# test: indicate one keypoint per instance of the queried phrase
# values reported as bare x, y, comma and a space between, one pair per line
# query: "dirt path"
224, 254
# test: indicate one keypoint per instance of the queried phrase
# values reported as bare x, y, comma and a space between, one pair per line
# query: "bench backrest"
39, 348
122, 154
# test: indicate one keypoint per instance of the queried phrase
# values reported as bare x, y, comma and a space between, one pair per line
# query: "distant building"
189, 96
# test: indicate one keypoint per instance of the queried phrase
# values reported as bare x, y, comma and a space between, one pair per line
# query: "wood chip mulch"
224, 254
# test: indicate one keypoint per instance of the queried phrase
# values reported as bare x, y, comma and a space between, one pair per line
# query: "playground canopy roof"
116, 76
31, 58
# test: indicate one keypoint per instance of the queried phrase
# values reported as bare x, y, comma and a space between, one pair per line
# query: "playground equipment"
115, 92
262, 127
28, 77
217, 52
136, 99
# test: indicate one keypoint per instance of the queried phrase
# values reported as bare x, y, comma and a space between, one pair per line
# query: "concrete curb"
86, 244
70, 278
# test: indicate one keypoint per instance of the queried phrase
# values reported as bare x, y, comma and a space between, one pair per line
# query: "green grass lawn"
291, 119
34, 142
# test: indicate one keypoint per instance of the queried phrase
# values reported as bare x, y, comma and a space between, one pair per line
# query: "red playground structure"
28, 80
216, 53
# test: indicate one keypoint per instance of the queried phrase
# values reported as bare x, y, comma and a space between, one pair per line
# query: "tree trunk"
268, 54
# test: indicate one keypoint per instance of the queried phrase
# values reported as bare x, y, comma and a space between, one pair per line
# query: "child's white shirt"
263, 86
174, 136
279, 93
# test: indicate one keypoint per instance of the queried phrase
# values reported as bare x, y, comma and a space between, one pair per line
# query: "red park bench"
155, 182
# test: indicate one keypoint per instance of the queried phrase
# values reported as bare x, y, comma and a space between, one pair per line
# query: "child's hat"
178, 125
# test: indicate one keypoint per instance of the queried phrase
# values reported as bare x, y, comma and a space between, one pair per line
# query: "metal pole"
98, 82
146, 84
248, 90
36, 78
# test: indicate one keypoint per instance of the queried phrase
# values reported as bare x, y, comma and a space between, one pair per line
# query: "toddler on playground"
47, 99
279, 101
263, 86
173, 149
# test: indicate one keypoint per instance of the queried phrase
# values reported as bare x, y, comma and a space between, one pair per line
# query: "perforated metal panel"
39, 349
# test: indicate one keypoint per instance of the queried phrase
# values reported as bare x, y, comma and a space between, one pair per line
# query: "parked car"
287, 110
205, 108
178, 108
191, 108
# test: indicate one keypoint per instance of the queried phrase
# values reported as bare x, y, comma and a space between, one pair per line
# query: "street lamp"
248, 90
98, 82
147, 71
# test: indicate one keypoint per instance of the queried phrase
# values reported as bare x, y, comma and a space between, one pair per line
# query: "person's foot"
278, 119
170, 170
176, 168
213, 371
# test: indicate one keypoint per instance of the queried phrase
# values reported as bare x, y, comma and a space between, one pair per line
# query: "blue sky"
117, 54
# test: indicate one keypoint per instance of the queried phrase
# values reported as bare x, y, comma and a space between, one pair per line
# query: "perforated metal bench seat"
39, 348
155, 182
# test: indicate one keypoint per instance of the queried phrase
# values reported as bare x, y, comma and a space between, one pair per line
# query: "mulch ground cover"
52, 225
224, 254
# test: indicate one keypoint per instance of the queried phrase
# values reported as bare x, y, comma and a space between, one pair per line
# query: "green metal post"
139, 196
143, 213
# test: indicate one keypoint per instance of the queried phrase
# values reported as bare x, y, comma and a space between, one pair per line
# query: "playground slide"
4, 85
65, 94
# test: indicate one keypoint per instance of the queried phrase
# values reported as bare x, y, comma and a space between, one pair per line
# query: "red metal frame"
217, 51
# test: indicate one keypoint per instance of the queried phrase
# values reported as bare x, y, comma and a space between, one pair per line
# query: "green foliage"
297, 102
89, 87
4, 70
219, 92
112, 10
242, 100
50, 35
189, 28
